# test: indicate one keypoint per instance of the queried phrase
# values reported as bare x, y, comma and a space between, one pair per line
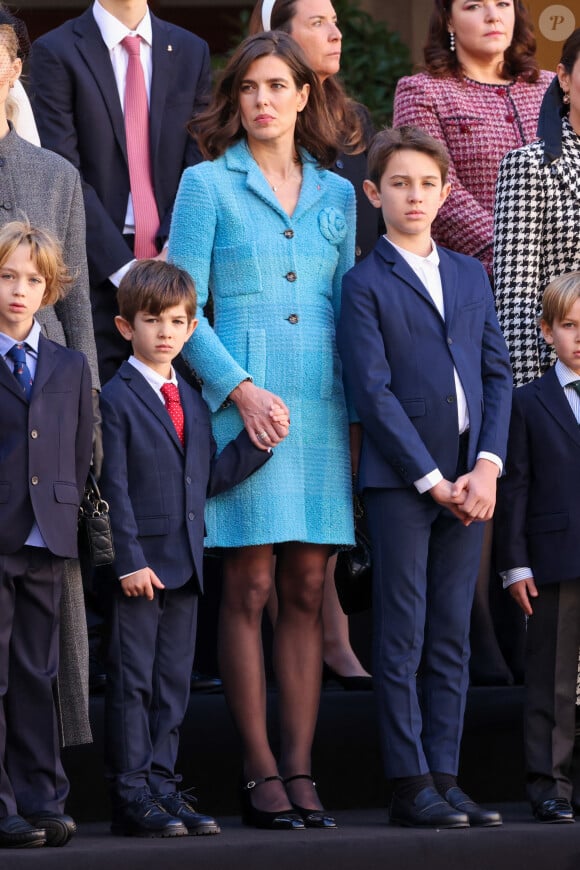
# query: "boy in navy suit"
159, 466
537, 533
429, 375
45, 451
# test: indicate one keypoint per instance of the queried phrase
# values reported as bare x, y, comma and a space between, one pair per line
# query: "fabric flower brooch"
332, 225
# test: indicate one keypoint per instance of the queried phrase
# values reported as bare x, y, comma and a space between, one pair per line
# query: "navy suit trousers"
425, 566
150, 657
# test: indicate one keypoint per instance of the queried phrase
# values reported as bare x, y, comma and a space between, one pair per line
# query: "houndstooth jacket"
536, 238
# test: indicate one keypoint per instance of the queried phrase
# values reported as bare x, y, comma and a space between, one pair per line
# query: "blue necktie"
22, 374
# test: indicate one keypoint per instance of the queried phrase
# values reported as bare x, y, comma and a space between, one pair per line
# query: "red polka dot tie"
172, 401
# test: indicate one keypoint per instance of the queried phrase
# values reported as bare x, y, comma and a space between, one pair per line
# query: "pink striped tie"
138, 152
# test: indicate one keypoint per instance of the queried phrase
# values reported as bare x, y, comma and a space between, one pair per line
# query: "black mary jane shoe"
311, 818
280, 820
349, 684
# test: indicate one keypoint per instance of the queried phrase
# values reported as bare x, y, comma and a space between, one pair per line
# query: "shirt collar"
414, 259
31, 340
153, 379
113, 31
564, 374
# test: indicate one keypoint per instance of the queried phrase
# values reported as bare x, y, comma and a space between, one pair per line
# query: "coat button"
188, 480
289, 234
339, 164
34, 480
357, 251
34, 434
449, 340
290, 276
191, 515
7, 205
293, 318
450, 400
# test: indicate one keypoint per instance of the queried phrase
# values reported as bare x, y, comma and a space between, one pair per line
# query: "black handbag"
95, 536
353, 572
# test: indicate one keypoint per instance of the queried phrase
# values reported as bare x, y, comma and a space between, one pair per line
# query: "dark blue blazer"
399, 354
45, 450
157, 489
538, 511
79, 115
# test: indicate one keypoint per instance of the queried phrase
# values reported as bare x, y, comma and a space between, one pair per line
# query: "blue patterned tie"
22, 374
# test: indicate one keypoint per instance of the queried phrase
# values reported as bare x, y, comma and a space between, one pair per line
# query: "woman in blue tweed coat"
269, 233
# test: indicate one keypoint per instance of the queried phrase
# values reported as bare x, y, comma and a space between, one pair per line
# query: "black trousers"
31, 773
551, 669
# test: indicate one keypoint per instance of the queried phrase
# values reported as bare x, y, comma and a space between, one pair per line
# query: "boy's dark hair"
559, 297
407, 138
153, 286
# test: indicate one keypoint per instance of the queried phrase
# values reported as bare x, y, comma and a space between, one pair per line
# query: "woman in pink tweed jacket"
480, 95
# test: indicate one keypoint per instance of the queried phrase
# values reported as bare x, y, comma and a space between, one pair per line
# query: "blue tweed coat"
276, 283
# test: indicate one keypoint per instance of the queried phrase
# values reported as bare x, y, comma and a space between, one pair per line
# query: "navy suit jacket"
45, 450
156, 488
399, 354
538, 510
79, 115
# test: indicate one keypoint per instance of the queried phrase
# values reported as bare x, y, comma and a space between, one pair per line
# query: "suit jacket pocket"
544, 523
235, 261
151, 526
66, 493
413, 407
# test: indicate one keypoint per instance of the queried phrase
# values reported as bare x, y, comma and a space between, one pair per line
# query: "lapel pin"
169, 48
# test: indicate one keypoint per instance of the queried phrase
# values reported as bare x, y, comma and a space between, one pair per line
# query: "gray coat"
43, 187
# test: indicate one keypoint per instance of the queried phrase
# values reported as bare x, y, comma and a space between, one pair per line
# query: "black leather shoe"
311, 818
278, 820
17, 833
478, 816
181, 805
428, 810
554, 811
58, 826
145, 817
350, 684
203, 683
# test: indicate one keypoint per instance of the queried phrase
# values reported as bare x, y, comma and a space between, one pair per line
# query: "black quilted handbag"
95, 536
353, 573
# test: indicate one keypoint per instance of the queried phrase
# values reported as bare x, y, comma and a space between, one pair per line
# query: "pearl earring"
451, 40
566, 99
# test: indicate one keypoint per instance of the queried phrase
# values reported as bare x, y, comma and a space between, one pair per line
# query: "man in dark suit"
429, 375
537, 532
78, 81
159, 467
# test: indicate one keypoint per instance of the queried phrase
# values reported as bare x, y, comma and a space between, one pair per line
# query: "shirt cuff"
428, 481
513, 575
483, 454
117, 276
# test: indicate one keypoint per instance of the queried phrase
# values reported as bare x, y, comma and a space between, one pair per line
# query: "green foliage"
373, 60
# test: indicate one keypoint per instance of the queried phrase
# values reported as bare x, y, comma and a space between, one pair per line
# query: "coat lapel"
136, 382
402, 270
450, 285
8, 380
551, 395
165, 60
96, 56
46, 364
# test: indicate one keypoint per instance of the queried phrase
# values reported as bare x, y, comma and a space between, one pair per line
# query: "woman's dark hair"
345, 113
219, 126
520, 56
19, 27
571, 51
